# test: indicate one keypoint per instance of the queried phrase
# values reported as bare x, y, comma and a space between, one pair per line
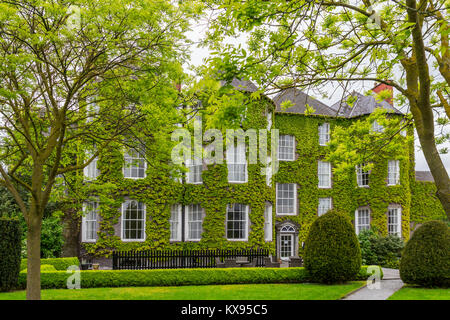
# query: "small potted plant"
95, 266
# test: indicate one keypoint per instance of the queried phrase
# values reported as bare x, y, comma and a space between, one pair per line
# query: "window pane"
133, 220
286, 198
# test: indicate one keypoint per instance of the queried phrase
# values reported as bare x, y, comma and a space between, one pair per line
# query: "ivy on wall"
159, 191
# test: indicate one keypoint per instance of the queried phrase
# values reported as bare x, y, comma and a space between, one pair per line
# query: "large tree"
69, 72
311, 43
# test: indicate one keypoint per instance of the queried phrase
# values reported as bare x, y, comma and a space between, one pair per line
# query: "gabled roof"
243, 85
363, 105
300, 99
424, 176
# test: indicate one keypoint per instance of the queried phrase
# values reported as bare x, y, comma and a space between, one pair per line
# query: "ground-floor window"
194, 222
394, 221
89, 221
237, 217
268, 223
133, 221
175, 222
362, 220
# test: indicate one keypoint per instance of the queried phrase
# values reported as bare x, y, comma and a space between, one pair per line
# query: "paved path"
391, 283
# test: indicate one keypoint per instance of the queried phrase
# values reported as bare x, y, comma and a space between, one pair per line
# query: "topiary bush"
426, 258
332, 252
10, 245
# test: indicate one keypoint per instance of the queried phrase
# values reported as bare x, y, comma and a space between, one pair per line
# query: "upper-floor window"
362, 220
236, 163
377, 127
324, 174
133, 221
393, 172
194, 222
394, 217
134, 164
286, 198
175, 222
91, 171
362, 176
268, 222
89, 221
324, 134
195, 171
325, 204
237, 221
286, 148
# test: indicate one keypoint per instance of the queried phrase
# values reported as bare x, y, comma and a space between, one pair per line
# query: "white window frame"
175, 210
393, 176
359, 175
377, 127
289, 156
320, 208
237, 156
268, 223
295, 200
245, 221
122, 222
324, 169
398, 225
191, 176
324, 134
365, 226
187, 222
85, 222
130, 159
91, 168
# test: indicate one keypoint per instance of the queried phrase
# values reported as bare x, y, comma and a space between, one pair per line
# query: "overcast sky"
200, 54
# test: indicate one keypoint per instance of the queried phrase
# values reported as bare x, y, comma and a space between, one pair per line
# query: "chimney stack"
380, 87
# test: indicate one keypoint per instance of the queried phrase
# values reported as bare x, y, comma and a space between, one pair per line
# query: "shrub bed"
379, 250
10, 246
57, 263
175, 277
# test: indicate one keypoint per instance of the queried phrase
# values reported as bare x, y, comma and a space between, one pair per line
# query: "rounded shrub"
332, 253
10, 246
426, 258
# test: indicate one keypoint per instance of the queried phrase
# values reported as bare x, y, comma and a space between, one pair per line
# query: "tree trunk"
34, 258
71, 234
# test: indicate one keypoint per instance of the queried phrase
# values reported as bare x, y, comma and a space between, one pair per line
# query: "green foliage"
426, 258
332, 252
425, 205
379, 250
51, 237
44, 268
57, 263
177, 277
9, 253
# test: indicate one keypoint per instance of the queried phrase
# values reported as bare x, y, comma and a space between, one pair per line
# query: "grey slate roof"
363, 105
300, 99
424, 176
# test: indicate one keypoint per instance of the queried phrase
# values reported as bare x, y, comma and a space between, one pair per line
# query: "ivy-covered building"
232, 205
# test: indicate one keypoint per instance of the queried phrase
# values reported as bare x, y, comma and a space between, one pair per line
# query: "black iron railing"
171, 259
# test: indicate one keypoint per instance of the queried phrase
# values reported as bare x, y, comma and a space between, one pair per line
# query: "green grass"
417, 293
293, 291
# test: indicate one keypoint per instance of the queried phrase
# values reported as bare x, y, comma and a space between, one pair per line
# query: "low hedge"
58, 263
44, 268
175, 277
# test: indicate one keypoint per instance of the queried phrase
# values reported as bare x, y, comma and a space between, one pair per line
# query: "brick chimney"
380, 87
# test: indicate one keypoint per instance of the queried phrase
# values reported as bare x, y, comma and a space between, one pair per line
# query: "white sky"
200, 54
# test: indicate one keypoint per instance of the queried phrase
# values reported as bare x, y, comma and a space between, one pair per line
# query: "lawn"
417, 293
293, 291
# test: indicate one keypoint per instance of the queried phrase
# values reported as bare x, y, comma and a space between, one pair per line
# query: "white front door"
286, 246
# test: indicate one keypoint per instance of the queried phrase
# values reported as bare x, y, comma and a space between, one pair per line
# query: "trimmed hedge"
176, 277
426, 258
44, 268
10, 250
332, 252
58, 263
